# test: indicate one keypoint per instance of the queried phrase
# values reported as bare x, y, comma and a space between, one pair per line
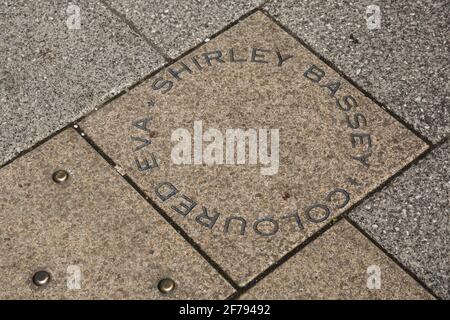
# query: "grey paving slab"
95, 235
177, 26
411, 219
340, 264
404, 64
51, 75
335, 144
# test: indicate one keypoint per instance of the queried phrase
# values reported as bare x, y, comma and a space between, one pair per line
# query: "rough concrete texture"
246, 220
94, 221
177, 26
340, 264
404, 64
51, 75
411, 219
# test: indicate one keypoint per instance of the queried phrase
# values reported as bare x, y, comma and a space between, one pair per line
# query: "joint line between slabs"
392, 258
344, 214
336, 69
158, 209
136, 30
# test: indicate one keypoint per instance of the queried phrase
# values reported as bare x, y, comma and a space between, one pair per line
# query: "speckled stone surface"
404, 64
94, 221
177, 26
50, 75
335, 266
316, 150
411, 219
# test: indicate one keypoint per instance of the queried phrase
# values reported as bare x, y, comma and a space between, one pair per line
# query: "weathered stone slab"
335, 144
340, 264
177, 26
93, 233
54, 70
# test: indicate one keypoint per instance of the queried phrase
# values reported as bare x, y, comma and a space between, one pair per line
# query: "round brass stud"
41, 278
60, 176
166, 285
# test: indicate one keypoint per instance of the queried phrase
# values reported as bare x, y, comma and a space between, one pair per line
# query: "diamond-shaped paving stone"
340, 264
253, 76
94, 227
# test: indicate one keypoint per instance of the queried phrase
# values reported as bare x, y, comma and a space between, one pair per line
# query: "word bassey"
209, 147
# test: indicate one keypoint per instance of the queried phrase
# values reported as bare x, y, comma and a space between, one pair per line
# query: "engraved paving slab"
332, 143
338, 265
96, 236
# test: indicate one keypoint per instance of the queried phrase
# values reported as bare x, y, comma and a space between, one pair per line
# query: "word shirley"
199, 62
